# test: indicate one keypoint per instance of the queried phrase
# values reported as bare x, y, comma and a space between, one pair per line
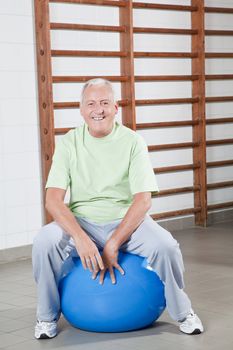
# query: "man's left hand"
110, 260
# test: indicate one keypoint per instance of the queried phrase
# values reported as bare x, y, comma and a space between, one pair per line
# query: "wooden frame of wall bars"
198, 100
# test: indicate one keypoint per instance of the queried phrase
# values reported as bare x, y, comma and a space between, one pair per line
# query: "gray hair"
96, 81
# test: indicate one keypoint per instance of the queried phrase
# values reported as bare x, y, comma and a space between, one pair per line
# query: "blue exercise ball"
134, 302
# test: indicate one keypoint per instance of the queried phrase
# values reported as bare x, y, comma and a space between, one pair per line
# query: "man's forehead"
98, 93
98, 99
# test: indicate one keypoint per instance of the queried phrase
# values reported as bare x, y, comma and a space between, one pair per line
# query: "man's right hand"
88, 253
86, 248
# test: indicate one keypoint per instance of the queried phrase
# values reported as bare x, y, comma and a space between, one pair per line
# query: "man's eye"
90, 104
105, 103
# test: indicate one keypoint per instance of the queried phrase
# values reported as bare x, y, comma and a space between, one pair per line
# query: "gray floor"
208, 256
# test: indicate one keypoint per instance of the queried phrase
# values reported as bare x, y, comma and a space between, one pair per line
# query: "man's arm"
133, 218
54, 203
86, 248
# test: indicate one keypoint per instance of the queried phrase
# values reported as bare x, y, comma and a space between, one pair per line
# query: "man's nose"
99, 109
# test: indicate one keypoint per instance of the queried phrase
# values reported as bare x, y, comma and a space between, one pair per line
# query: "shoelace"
47, 325
188, 319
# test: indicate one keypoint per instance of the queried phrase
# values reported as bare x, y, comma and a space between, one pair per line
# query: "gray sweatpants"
53, 250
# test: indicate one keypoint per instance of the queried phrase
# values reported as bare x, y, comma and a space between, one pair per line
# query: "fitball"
135, 301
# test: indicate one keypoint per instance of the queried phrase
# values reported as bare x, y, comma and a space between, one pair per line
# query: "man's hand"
110, 260
88, 253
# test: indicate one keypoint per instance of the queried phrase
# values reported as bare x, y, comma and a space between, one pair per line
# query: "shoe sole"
45, 336
196, 331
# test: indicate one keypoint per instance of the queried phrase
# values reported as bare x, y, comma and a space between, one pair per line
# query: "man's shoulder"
131, 134
133, 138
71, 135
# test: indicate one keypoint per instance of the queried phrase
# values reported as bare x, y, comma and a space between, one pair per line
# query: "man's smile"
98, 118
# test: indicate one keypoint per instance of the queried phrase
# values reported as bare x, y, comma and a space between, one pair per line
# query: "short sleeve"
59, 174
141, 173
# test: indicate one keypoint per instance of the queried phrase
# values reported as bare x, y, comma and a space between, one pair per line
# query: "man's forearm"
65, 218
133, 218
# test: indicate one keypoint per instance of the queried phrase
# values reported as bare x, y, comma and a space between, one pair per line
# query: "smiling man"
107, 167
98, 109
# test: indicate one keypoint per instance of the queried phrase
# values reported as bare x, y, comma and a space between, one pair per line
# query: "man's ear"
81, 108
116, 107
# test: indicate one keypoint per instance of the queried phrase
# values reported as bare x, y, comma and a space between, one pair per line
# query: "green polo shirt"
103, 173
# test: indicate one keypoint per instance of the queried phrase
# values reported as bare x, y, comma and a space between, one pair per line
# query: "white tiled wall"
20, 188
20, 175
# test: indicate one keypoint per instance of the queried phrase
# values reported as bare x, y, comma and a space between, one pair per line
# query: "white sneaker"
192, 324
45, 330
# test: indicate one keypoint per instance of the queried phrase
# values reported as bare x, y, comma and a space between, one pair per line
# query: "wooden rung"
219, 142
141, 54
172, 146
143, 5
81, 79
219, 32
166, 77
219, 99
92, 27
219, 185
166, 101
174, 168
117, 3
218, 9
219, 120
173, 191
218, 76
61, 131
144, 30
86, 53
220, 205
176, 213
167, 124
219, 163
219, 55
64, 105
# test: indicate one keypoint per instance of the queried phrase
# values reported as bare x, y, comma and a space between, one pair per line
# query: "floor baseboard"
24, 252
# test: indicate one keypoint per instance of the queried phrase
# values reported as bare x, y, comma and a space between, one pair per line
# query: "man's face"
98, 110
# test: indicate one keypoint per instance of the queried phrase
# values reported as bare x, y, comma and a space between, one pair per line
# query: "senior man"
107, 167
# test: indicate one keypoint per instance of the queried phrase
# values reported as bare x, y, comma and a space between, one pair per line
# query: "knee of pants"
167, 249
45, 240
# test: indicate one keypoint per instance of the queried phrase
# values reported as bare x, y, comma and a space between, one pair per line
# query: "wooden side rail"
126, 55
